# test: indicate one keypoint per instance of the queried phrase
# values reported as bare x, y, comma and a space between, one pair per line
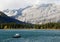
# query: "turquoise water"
30, 36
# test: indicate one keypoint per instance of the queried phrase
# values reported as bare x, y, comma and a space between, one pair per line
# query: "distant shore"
31, 29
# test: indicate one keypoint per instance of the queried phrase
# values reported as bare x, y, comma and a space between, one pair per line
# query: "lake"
30, 35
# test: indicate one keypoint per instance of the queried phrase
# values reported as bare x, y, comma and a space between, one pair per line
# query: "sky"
15, 4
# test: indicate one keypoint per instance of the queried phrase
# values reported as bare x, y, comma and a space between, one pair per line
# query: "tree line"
30, 26
15, 26
48, 26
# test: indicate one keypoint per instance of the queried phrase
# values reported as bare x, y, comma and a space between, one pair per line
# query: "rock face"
40, 14
14, 13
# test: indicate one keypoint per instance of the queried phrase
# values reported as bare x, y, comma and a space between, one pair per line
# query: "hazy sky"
12, 4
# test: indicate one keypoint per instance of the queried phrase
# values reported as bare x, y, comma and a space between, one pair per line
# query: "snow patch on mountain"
40, 14
10, 12
14, 12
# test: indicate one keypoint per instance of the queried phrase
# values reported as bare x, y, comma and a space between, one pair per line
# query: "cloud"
33, 1
50, 1
12, 4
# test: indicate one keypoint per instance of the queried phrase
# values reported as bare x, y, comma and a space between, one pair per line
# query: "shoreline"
29, 29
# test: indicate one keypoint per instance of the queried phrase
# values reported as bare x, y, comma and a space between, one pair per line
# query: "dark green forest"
30, 26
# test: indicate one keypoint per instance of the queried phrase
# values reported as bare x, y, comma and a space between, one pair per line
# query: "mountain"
14, 13
5, 19
37, 14
41, 14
